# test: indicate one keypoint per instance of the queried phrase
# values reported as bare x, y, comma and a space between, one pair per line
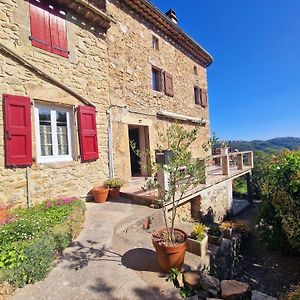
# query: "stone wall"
85, 71
212, 205
131, 58
215, 201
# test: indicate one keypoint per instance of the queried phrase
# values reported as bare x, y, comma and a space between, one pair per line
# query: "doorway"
139, 135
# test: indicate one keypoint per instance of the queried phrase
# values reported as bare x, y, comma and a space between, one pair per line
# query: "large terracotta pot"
170, 256
100, 194
3, 215
114, 192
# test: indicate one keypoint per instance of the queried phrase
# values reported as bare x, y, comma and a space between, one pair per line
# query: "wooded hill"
272, 145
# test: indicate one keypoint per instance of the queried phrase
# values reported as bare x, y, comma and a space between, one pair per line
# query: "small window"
155, 44
53, 134
195, 70
197, 95
156, 79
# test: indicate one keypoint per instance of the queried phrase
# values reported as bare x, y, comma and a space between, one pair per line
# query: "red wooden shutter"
39, 25
58, 31
169, 90
203, 98
17, 131
87, 133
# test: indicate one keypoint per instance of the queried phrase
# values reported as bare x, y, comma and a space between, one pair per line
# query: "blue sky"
254, 82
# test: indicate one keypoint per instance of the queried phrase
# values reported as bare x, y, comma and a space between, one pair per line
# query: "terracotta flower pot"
170, 256
114, 192
100, 194
3, 215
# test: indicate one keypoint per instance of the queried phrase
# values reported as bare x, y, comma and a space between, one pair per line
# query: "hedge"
31, 239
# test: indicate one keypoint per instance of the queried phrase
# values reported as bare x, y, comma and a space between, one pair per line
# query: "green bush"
32, 237
280, 211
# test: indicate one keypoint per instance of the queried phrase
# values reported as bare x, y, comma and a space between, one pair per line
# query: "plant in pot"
227, 229
100, 194
3, 213
114, 185
183, 173
215, 235
197, 242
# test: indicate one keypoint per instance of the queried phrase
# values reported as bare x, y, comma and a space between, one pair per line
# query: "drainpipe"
110, 144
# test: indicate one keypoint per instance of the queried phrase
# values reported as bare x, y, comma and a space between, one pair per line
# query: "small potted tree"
197, 242
215, 235
184, 173
114, 185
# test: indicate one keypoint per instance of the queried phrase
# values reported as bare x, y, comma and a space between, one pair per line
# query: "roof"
169, 28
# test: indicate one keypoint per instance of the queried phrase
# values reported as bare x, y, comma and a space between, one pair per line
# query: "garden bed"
31, 239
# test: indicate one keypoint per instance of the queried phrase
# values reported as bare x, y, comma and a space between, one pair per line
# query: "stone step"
139, 217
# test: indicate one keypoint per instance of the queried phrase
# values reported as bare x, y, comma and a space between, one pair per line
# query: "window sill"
54, 165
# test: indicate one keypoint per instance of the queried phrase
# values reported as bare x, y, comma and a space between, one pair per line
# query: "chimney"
172, 15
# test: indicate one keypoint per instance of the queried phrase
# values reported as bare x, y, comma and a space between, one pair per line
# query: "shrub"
294, 293
29, 244
280, 211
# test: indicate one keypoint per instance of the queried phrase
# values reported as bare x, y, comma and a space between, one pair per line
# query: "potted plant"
227, 229
3, 214
183, 173
100, 194
197, 242
114, 185
215, 235
224, 147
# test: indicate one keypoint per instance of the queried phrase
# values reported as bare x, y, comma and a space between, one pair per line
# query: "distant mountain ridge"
275, 144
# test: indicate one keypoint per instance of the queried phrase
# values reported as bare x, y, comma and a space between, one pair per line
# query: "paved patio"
105, 261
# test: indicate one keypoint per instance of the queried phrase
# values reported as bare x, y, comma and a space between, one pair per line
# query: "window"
155, 44
197, 95
53, 134
48, 27
156, 79
195, 70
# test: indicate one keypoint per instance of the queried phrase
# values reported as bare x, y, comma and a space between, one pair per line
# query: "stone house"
54, 82
80, 80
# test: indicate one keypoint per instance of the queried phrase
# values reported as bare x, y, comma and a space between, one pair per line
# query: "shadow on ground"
141, 259
79, 256
152, 292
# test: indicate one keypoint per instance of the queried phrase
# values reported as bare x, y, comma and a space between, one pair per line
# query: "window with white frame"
53, 133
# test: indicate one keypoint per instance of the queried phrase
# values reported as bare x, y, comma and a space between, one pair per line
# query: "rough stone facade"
113, 70
85, 71
131, 57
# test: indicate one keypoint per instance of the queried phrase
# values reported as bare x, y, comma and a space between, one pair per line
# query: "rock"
191, 279
256, 295
195, 297
202, 294
232, 289
210, 283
